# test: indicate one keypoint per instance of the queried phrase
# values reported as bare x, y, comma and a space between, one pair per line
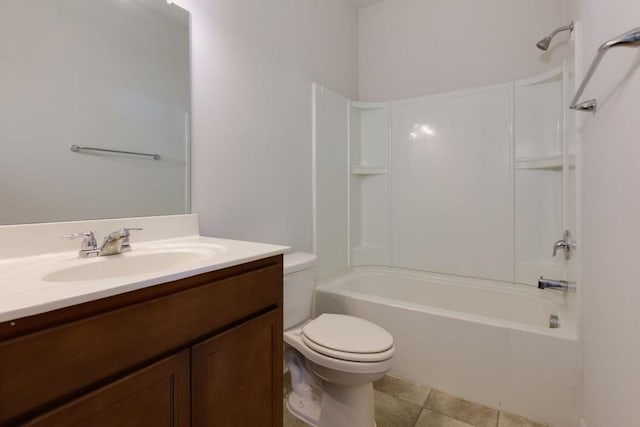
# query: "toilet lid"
348, 338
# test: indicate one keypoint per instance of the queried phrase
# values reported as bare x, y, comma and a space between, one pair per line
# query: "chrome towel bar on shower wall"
629, 39
76, 149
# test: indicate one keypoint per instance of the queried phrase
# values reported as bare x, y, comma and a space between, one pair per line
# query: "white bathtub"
486, 342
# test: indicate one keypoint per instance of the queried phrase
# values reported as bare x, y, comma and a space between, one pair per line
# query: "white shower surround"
484, 194
436, 184
493, 347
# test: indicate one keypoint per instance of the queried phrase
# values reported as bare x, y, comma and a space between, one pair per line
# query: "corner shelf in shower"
544, 162
369, 183
369, 170
369, 105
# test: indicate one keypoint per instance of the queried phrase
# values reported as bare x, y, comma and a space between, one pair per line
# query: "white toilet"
333, 359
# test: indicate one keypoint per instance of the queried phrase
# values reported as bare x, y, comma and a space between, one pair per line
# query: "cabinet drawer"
49, 367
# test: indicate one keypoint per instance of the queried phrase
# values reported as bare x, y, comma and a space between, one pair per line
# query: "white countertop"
28, 285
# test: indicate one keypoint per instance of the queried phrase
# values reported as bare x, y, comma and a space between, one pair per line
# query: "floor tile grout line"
424, 404
415, 422
457, 419
447, 416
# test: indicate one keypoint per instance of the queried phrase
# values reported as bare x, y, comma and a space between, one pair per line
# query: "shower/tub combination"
435, 217
487, 342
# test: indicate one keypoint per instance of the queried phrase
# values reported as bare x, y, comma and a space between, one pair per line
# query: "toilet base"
306, 409
347, 405
339, 406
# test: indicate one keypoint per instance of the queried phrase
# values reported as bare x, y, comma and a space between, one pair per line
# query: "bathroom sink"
151, 259
45, 281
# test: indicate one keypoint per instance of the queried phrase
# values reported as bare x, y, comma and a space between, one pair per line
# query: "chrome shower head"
545, 42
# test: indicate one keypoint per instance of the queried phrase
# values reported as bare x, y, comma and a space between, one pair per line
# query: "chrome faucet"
566, 244
562, 285
89, 245
115, 243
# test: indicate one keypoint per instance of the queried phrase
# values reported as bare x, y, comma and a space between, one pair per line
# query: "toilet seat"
348, 338
293, 337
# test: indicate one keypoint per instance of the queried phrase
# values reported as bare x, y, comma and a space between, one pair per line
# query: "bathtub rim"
564, 303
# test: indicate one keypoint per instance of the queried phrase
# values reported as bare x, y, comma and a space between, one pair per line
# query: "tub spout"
562, 285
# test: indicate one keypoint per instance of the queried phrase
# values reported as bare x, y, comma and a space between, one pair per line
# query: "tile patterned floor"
400, 403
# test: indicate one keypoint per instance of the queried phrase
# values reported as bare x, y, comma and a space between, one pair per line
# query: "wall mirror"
106, 74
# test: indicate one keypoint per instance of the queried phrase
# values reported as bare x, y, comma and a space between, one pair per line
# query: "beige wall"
253, 64
414, 47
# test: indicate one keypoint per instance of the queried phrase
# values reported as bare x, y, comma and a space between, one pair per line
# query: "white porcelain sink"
129, 264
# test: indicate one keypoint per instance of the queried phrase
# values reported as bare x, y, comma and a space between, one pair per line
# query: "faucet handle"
126, 246
128, 229
561, 244
566, 244
124, 232
89, 239
121, 233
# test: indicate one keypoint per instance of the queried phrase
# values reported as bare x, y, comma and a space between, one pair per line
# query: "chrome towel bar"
76, 149
629, 39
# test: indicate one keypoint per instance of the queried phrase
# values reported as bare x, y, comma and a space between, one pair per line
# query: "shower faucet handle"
566, 244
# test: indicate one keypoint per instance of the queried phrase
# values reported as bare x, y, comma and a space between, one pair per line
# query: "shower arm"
561, 29
629, 39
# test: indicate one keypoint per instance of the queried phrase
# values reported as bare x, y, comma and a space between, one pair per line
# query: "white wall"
253, 64
415, 47
611, 211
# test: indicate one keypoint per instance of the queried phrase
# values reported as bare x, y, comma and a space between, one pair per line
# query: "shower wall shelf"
368, 105
543, 154
369, 170
548, 162
554, 162
369, 183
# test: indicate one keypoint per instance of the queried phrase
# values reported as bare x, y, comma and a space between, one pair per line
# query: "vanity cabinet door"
237, 375
157, 395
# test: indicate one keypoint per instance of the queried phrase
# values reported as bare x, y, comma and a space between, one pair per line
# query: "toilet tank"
299, 281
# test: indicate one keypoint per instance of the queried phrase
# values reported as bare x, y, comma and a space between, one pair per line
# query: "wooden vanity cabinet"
201, 351
157, 395
251, 393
